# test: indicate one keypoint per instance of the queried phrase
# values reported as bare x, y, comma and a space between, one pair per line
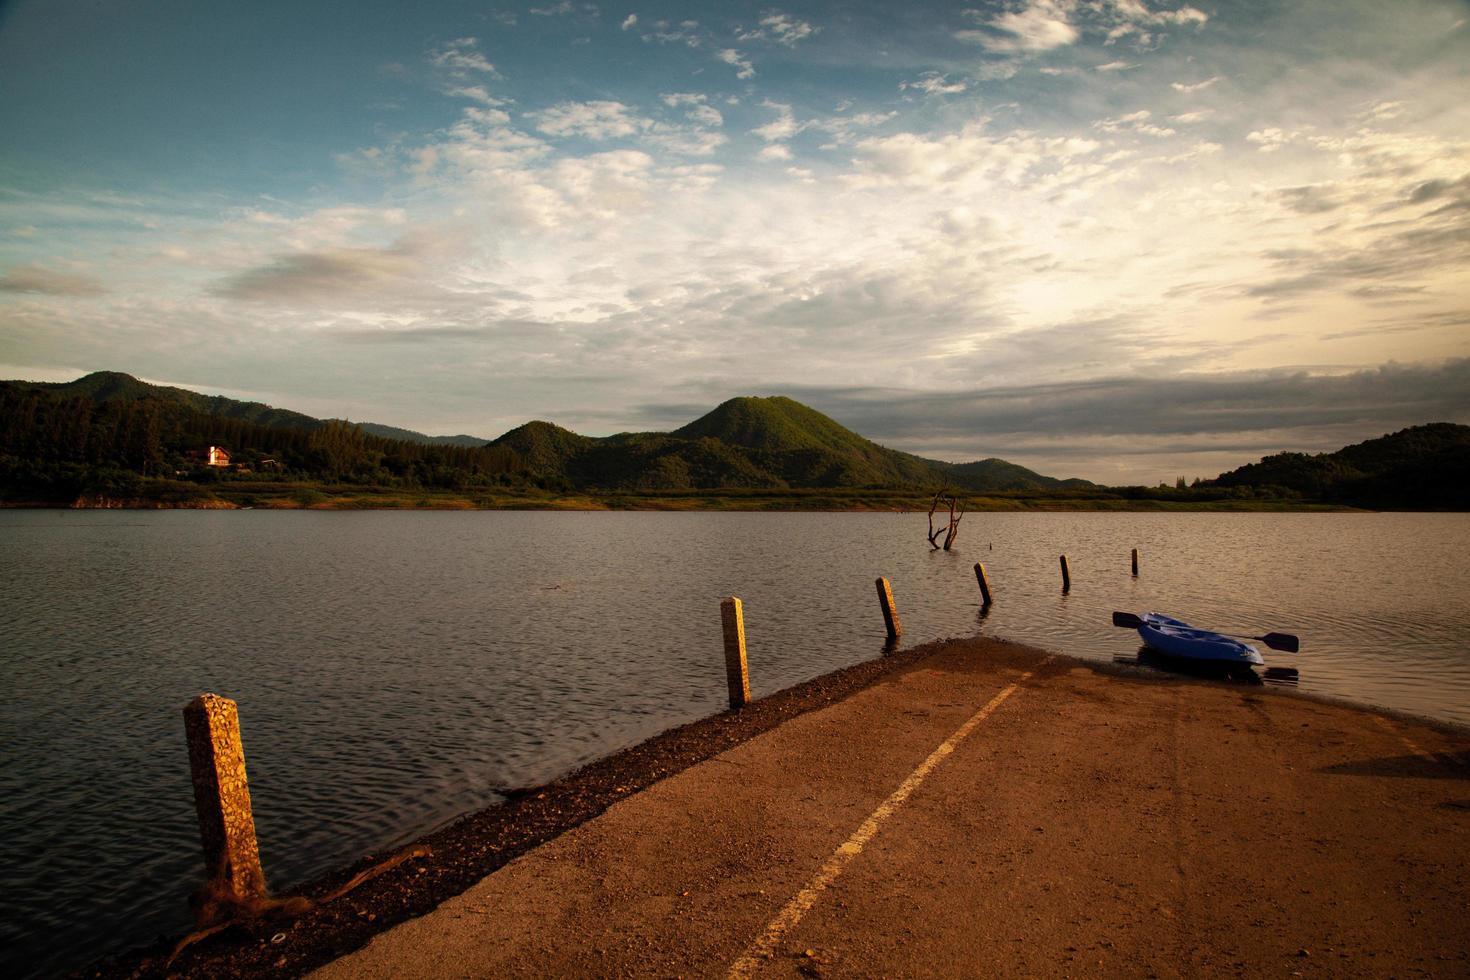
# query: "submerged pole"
737, 675
1135, 562
222, 798
1066, 576
984, 584
890, 611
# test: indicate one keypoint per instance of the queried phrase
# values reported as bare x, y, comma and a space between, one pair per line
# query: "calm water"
396, 669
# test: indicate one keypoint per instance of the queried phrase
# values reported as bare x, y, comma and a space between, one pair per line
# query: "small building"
213, 456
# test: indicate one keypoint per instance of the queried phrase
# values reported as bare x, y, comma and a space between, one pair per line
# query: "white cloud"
558, 9
1190, 118
732, 57
600, 120
776, 151
1040, 25
475, 93
629, 21
1187, 88
1135, 12
1384, 111
1136, 122
781, 28
696, 108
934, 83
1270, 140
461, 55
783, 127
1117, 66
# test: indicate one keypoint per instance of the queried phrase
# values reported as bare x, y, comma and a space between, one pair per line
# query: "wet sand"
971, 807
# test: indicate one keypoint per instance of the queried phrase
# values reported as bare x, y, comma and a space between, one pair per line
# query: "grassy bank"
263, 495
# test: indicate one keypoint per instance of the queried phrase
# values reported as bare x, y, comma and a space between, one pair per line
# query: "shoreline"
714, 504
476, 844
466, 850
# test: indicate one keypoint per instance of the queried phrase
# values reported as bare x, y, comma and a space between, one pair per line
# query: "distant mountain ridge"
103, 386
746, 442
1421, 467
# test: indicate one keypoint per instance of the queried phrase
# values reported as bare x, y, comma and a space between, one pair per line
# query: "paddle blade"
1126, 620
1282, 641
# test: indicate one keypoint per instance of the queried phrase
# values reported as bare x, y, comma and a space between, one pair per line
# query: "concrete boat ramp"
992, 811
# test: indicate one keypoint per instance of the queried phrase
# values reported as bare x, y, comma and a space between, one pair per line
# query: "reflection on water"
396, 669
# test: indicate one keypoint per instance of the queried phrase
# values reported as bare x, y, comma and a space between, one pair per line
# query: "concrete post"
222, 798
984, 584
890, 612
1066, 576
737, 675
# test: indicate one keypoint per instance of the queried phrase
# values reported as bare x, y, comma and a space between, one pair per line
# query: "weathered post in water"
1135, 563
890, 612
984, 584
222, 799
1066, 576
732, 615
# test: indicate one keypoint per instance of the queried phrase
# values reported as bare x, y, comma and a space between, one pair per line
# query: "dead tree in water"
950, 530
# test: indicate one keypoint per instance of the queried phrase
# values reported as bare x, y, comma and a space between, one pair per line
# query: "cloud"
629, 21
599, 120
1040, 25
1116, 66
966, 156
461, 55
1308, 199
1190, 88
1136, 122
475, 93
559, 9
781, 28
783, 127
730, 56
344, 275
1190, 118
934, 83
1270, 140
776, 151
1236, 417
696, 107
38, 279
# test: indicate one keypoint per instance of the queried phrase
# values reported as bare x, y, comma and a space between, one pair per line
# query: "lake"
394, 670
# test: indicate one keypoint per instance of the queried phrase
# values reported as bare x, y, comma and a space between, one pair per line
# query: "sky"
1125, 240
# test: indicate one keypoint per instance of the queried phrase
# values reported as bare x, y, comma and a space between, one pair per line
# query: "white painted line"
791, 914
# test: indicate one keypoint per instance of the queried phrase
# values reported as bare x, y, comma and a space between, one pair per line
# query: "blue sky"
1118, 239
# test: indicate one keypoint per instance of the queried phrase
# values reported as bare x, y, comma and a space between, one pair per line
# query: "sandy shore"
1071, 819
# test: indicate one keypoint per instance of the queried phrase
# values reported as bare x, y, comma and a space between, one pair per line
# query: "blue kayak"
1170, 636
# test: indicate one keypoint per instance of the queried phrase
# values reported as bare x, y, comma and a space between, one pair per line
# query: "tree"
950, 530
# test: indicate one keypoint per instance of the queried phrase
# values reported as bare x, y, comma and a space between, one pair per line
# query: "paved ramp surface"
1005, 816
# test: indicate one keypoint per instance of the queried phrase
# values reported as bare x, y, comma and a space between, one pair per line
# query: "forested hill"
64, 434
1423, 467
750, 443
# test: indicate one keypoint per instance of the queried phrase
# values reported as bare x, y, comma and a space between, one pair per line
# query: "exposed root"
218, 908
407, 854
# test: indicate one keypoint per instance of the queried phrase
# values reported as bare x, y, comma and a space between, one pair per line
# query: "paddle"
1276, 641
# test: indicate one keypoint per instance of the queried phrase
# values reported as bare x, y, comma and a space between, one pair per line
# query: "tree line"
66, 442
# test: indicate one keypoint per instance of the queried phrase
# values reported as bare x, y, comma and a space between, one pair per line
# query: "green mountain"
748, 443
114, 386
1422, 467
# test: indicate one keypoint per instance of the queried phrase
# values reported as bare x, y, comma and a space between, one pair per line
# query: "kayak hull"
1178, 639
